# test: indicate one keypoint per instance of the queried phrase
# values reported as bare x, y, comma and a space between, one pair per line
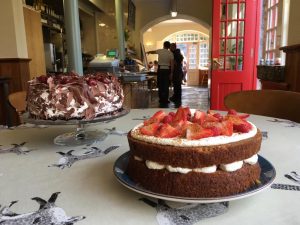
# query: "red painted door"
234, 48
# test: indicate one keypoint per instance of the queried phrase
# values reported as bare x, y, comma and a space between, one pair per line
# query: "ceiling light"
101, 24
173, 13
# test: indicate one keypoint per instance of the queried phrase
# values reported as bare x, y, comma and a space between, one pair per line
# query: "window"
275, 35
194, 45
272, 34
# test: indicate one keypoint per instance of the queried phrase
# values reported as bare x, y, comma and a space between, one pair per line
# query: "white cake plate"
81, 136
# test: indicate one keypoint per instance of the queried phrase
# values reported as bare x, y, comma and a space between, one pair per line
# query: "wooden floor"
194, 97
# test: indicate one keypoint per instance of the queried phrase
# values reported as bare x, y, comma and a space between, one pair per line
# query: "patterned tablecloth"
42, 183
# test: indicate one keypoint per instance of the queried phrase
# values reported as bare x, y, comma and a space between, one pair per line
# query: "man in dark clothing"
177, 74
164, 72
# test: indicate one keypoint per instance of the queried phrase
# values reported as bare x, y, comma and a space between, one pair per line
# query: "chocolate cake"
219, 158
70, 96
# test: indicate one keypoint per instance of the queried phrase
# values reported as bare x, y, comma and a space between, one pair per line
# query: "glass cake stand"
80, 136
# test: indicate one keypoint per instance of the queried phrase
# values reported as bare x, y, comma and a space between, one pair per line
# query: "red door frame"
225, 81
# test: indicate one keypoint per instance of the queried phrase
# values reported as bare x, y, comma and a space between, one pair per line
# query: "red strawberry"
181, 114
195, 131
227, 128
239, 124
211, 118
232, 112
150, 129
218, 116
156, 118
167, 131
172, 114
199, 117
244, 127
181, 126
167, 119
243, 116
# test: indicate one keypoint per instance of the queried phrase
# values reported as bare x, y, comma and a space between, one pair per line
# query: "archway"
191, 36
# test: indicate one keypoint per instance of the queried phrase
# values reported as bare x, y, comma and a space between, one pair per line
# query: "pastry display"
70, 96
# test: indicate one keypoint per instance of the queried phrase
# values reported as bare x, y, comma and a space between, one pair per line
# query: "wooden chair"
18, 101
273, 103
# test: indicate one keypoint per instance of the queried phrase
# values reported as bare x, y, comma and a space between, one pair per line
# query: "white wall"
13, 37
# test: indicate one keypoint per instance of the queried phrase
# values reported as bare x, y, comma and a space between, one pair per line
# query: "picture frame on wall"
131, 15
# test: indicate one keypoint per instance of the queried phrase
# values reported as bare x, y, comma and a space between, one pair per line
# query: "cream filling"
183, 142
230, 167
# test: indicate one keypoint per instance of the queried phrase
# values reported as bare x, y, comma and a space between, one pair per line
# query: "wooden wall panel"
34, 40
18, 71
292, 67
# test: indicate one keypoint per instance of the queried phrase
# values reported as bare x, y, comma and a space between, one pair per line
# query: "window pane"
222, 46
223, 11
241, 46
231, 46
242, 11
230, 63
232, 11
231, 29
241, 29
222, 29
240, 63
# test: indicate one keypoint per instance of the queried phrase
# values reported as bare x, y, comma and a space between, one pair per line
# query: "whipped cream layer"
183, 142
230, 167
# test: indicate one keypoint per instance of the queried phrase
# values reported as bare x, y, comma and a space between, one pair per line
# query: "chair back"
273, 103
18, 101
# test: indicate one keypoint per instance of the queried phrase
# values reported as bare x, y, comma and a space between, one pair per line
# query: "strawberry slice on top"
150, 129
182, 114
167, 131
239, 124
156, 118
195, 131
199, 117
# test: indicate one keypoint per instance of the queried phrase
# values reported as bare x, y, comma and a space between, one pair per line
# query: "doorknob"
216, 60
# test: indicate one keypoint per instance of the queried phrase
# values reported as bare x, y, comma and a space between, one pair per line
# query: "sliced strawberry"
218, 116
181, 126
227, 128
239, 124
232, 112
167, 131
156, 118
211, 118
216, 127
167, 119
244, 127
172, 114
195, 131
198, 117
243, 116
219, 128
182, 114
150, 129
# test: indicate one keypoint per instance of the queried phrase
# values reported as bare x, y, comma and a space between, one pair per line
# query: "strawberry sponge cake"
195, 154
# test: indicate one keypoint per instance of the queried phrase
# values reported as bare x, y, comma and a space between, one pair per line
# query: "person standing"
164, 72
177, 74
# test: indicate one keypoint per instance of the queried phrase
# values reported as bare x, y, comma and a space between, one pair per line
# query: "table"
91, 195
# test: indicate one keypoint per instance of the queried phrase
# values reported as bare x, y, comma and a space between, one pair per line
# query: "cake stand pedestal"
80, 136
